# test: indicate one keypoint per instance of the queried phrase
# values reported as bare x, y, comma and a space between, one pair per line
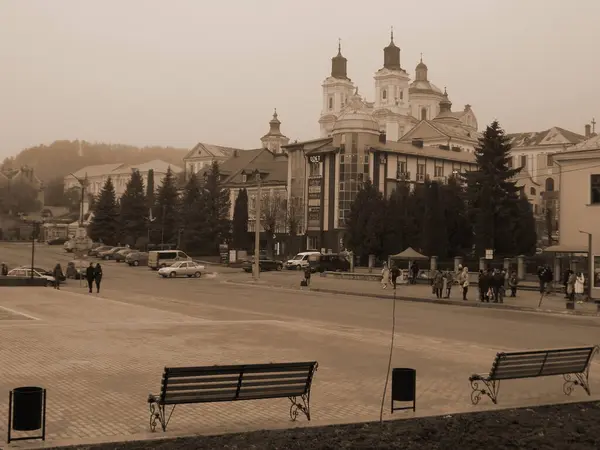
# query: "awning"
565, 248
409, 255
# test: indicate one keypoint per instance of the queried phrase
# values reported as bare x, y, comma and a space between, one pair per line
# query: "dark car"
102, 248
121, 255
110, 254
137, 258
330, 262
264, 264
57, 241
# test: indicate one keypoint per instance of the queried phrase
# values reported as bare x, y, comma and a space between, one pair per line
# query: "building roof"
97, 170
272, 167
593, 143
425, 151
119, 168
424, 86
552, 136
215, 151
317, 141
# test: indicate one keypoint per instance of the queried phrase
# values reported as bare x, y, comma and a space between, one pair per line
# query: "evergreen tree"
525, 237
194, 236
365, 224
435, 237
167, 209
398, 223
104, 226
492, 196
133, 210
240, 221
458, 226
217, 208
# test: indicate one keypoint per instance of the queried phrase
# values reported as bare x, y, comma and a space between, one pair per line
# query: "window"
438, 171
330, 102
384, 94
401, 95
550, 160
509, 163
523, 160
535, 209
595, 189
532, 191
423, 113
314, 169
244, 178
420, 172
549, 184
401, 169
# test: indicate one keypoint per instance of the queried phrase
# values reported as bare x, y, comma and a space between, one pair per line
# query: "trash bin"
27, 408
404, 387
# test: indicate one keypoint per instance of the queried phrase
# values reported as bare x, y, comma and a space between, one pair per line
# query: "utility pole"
162, 233
257, 228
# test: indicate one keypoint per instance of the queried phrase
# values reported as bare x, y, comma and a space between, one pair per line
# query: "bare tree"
295, 215
273, 212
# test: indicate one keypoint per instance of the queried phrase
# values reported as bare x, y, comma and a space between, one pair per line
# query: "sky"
178, 72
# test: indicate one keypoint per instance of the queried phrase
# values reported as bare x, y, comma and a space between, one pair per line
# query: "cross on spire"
593, 124
392, 33
340, 45
421, 57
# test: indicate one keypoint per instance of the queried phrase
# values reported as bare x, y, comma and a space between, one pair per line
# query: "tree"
272, 212
150, 190
492, 195
19, 197
524, 233
104, 226
399, 233
549, 225
240, 221
295, 215
365, 223
217, 208
167, 208
133, 210
435, 237
458, 226
194, 238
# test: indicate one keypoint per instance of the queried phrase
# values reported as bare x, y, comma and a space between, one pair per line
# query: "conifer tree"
193, 218
365, 224
217, 208
458, 227
435, 237
398, 221
492, 195
104, 226
133, 210
240, 221
150, 190
167, 209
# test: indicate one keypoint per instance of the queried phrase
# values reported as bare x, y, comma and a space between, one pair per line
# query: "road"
110, 349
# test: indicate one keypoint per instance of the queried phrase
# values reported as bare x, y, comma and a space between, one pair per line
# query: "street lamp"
256, 173
590, 263
34, 233
83, 183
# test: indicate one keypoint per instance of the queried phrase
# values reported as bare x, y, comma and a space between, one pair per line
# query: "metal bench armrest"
479, 377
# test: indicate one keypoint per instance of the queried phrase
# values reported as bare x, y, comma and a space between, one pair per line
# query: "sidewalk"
525, 300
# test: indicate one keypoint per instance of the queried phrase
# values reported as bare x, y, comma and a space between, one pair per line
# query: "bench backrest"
235, 382
540, 363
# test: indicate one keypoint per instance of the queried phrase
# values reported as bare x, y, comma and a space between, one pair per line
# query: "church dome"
356, 118
421, 66
424, 85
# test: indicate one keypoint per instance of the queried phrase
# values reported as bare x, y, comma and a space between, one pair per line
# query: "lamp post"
83, 184
34, 233
257, 213
590, 263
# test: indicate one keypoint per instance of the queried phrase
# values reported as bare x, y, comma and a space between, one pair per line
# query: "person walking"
484, 286
89, 276
307, 275
395, 272
385, 276
57, 274
513, 282
4, 270
414, 273
449, 283
438, 283
566, 275
463, 282
579, 287
571, 286
98, 277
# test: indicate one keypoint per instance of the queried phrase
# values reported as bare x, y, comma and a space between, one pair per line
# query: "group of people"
493, 284
574, 284
93, 275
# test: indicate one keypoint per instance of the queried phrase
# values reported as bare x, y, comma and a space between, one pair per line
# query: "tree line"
471, 212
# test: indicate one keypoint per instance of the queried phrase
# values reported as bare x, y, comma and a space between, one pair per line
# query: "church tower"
391, 106
274, 139
337, 89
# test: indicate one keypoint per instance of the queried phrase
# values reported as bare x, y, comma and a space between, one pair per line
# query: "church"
409, 133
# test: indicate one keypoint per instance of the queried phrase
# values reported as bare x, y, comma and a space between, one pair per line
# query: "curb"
470, 303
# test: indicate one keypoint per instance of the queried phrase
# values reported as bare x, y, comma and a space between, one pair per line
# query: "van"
164, 258
302, 260
330, 262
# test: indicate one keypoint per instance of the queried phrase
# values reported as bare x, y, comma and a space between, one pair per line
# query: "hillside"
62, 157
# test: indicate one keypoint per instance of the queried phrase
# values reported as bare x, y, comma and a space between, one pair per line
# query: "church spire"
421, 71
339, 64
391, 54
445, 104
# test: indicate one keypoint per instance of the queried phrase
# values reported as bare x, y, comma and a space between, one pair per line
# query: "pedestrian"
463, 281
449, 283
307, 275
579, 287
571, 286
513, 282
496, 284
395, 272
4, 270
90, 276
57, 274
98, 277
438, 283
566, 275
414, 273
385, 276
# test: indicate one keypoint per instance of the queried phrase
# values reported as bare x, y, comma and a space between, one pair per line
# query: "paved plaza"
100, 355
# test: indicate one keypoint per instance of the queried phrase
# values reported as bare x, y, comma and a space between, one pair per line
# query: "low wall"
20, 282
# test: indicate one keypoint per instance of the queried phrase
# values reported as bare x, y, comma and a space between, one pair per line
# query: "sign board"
315, 159
489, 253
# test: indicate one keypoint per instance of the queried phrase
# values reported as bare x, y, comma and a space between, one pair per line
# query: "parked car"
164, 258
264, 264
110, 254
137, 258
182, 269
57, 241
96, 251
42, 271
301, 260
122, 254
330, 262
26, 273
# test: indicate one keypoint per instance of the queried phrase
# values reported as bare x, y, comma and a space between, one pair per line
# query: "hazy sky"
176, 72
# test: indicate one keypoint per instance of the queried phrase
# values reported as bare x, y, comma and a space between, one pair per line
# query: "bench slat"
248, 384
207, 379
549, 358
200, 387
269, 394
578, 362
199, 399
231, 369
207, 393
544, 351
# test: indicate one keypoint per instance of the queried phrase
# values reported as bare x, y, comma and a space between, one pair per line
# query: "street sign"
489, 253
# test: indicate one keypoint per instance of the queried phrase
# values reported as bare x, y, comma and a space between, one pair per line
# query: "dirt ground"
572, 426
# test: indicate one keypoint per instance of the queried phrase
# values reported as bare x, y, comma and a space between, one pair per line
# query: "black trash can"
404, 387
27, 408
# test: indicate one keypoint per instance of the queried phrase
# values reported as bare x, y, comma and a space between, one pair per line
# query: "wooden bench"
210, 384
572, 363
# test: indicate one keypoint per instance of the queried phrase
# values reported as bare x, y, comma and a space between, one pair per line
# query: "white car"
182, 269
26, 273
301, 260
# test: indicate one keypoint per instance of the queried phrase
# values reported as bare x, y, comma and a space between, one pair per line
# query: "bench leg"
577, 379
303, 406
158, 414
490, 388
